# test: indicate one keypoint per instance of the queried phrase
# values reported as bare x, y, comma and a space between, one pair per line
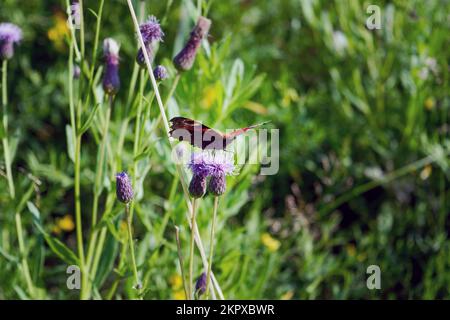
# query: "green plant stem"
180, 259
78, 213
6, 150
167, 129
97, 192
211, 246
191, 253
169, 96
24, 262
131, 244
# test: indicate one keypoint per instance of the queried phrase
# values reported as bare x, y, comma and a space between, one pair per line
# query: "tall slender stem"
131, 244
180, 258
97, 191
6, 150
211, 245
24, 262
167, 128
191, 254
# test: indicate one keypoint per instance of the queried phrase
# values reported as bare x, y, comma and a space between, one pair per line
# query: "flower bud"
184, 60
111, 80
200, 285
217, 184
124, 190
197, 186
76, 71
151, 33
160, 73
10, 34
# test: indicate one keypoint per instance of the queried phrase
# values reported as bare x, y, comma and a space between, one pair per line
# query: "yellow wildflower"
65, 223
176, 281
59, 31
271, 243
179, 295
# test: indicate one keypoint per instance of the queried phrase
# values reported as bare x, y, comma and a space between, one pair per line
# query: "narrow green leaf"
87, 124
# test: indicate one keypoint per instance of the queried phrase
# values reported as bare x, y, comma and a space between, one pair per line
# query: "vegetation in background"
364, 150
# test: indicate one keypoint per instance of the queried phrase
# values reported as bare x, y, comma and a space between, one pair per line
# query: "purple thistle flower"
200, 285
220, 165
199, 164
184, 60
160, 73
124, 190
151, 32
9, 35
111, 80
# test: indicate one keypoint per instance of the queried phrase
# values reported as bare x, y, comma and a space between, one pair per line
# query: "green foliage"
364, 145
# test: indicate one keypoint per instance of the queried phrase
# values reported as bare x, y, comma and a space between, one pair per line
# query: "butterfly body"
201, 136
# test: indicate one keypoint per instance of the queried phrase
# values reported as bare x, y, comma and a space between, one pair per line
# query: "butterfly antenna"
259, 124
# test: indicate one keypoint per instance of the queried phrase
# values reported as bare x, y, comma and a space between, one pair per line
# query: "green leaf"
59, 248
87, 124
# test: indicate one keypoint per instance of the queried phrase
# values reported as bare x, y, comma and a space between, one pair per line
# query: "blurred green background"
364, 145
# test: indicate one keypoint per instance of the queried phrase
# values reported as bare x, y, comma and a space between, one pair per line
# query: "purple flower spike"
111, 80
184, 60
10, 34
151, 30
160, 73
124, 190
200, 286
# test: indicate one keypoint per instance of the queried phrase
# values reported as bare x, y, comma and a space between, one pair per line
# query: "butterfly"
201, 136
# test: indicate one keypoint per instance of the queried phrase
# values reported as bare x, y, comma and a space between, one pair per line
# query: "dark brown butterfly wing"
196, 133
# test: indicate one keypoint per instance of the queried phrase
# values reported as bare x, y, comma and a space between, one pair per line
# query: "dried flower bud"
10, 34
184, 60
124, 190
197, 186
160, 73
111, 80
200, 285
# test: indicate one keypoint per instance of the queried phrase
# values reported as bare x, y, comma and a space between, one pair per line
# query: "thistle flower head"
151, 30
111, 80
124, 190
220, 166
197, 186
200, 285
160, 73
10, 34
184, 60
199, 164
221, 163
